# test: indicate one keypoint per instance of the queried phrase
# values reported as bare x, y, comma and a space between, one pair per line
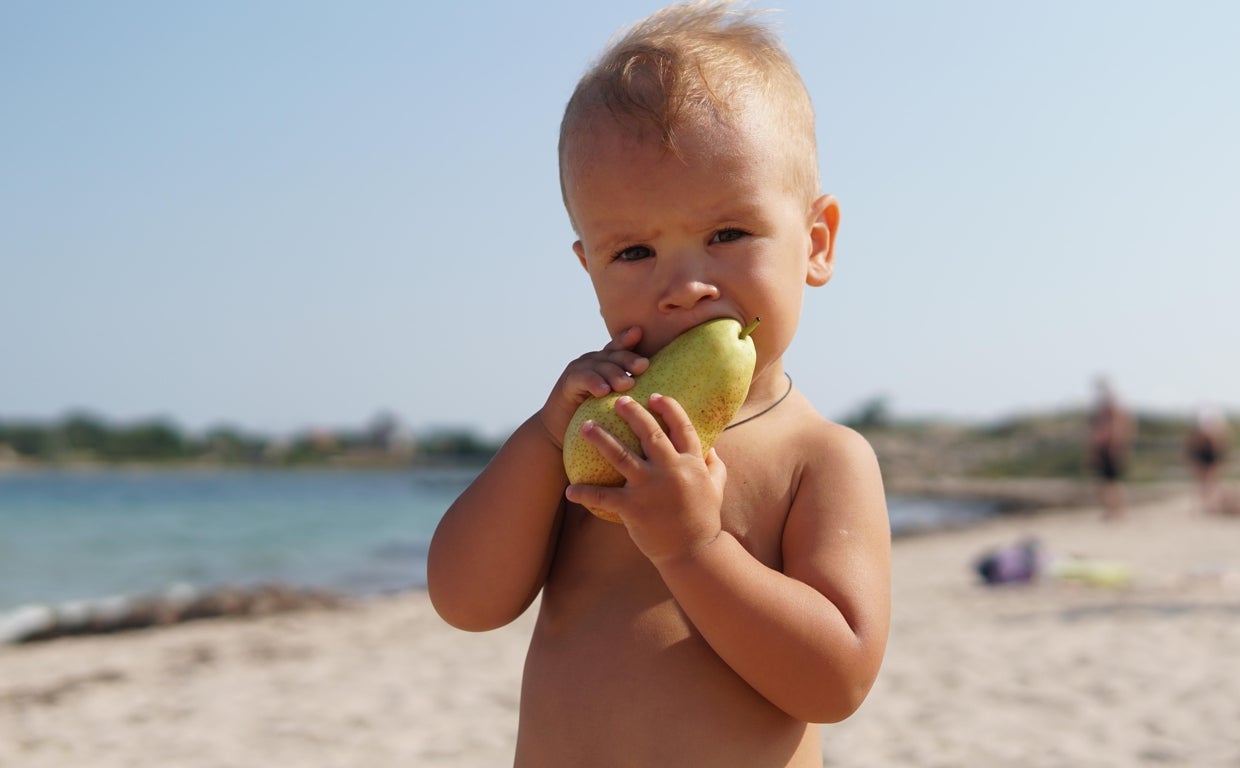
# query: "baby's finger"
655, 442
629, 361
592, 382
718, 470
680, 430
626, 339
601, 500
618, 378
616, 453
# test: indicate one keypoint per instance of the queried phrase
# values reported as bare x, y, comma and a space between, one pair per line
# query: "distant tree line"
86, 438
1030, 445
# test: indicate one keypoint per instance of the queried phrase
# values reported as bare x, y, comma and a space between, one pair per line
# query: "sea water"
86, 535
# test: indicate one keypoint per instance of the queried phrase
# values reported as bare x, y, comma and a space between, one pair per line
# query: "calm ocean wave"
86, 535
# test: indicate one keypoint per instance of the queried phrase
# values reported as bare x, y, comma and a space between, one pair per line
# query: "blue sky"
290, 214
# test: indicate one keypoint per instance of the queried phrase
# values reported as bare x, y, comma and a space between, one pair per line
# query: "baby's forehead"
601, 131
598, 136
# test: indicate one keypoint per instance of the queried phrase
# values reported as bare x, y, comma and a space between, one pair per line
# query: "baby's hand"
594, 374
672, 497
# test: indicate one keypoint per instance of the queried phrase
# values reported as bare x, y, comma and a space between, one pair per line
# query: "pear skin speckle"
707, 369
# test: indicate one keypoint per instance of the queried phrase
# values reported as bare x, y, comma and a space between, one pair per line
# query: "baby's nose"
686, 291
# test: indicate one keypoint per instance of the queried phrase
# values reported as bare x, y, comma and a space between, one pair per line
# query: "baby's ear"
580, 250
824, 223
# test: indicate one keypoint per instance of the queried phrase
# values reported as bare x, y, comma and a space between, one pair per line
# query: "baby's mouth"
662, 341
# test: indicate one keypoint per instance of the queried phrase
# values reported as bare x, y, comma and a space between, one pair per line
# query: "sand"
1052, 673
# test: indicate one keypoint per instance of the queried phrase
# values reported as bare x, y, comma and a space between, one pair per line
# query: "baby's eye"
634, 253
727, 236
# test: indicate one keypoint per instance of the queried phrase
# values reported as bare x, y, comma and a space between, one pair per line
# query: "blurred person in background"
1111, 431
1206, 448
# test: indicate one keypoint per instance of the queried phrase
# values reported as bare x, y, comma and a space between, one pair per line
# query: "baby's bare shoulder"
810, 447
822, 445
838, 446
840, 485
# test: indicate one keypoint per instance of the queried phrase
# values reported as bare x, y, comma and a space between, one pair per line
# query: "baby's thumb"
718, 470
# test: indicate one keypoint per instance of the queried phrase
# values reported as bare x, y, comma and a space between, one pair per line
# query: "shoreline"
964, 503
175, 602
1049, 673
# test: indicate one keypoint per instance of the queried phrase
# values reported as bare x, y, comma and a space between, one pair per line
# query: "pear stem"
749, 328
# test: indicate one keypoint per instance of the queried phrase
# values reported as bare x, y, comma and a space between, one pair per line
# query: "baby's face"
671, 242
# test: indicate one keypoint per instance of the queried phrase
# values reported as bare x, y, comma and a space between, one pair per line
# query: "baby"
746, 594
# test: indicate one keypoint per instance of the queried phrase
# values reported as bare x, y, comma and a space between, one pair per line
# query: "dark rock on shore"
33, 623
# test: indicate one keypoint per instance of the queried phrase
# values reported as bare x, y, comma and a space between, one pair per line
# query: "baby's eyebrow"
735, 209
627, 231
613, 238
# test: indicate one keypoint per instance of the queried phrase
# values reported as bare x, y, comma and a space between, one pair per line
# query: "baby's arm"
491, 551
809, 638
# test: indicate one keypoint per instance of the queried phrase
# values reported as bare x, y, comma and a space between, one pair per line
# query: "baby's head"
695, 65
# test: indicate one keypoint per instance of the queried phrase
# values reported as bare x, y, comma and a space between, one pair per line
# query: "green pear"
707, 369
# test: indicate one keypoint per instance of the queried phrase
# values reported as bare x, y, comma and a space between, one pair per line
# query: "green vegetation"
81, 438
1047, 445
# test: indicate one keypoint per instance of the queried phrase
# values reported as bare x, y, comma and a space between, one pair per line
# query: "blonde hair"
694, 61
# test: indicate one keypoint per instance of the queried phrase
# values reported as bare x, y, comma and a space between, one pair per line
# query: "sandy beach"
1051, 673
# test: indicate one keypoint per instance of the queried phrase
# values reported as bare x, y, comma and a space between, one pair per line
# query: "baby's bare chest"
613, 654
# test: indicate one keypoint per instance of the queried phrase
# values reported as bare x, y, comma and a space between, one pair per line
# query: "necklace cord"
767, 409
